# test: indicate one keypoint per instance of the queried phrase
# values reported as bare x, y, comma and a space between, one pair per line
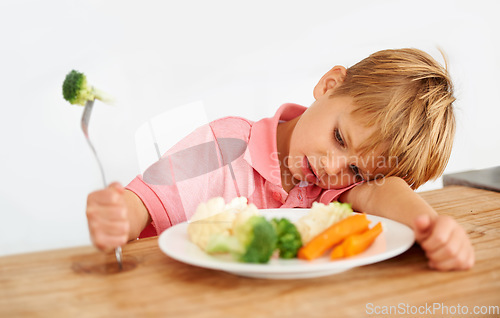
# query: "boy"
374, 132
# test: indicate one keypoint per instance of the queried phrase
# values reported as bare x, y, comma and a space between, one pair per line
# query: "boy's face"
323, 146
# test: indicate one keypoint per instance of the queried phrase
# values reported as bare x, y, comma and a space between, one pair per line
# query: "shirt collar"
262, 149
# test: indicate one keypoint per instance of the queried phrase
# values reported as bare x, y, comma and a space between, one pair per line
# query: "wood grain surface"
82, 282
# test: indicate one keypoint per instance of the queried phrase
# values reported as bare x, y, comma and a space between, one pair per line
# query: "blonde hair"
408, 96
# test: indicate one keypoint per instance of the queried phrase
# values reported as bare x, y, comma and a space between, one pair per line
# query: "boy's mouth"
308, 170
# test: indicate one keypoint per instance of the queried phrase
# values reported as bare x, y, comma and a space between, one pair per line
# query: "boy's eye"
338, 137
356, 173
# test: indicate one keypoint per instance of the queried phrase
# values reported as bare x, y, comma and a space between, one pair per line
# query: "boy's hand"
107, 217
445, 243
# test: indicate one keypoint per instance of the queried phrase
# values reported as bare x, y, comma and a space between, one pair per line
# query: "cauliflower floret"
215, 217
320, 217
208, 209
237, 204
201, 230
244, 214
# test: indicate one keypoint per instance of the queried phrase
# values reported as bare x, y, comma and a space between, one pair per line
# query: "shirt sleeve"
333, 194
192, 171
155, 207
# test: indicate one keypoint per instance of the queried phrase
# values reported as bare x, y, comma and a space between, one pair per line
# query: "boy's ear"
331, 79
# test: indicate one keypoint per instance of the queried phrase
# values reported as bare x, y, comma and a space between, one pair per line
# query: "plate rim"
294, 265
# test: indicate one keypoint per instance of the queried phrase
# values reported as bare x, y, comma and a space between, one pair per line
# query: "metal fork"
85, 127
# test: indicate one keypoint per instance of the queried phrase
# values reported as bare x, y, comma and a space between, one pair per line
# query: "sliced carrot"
333, 235
357, 243
337, 252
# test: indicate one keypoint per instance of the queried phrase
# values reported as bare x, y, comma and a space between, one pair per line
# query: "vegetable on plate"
333, 235
254, 241
289, 240
356, 243
320, 217
239, 229
212, 217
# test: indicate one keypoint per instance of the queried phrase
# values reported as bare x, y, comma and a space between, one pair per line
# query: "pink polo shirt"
227, 158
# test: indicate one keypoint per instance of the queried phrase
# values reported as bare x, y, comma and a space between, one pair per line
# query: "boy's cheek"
337, 181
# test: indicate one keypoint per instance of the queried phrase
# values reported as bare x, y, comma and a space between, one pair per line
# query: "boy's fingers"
107, 235
107, 217
107, 243
117, 186
464, 260
454, 249
422, 224
448, 247
97, 213
458, 256
444, 265
441, 232
111, 227
471, 259
108, 196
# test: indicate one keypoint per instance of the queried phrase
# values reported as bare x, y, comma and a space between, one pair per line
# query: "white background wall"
240, 58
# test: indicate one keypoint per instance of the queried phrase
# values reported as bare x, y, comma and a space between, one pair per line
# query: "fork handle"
101, 169
85, 120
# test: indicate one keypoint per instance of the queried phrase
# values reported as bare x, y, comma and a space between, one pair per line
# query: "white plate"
394, 240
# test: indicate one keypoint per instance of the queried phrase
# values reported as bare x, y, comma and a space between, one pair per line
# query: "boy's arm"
138, 215
446, 244
391, 198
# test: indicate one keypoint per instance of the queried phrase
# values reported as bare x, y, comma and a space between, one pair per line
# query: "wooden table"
64, 283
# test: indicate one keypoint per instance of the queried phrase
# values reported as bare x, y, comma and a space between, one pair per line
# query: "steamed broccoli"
76, 90
289, 240
254, 241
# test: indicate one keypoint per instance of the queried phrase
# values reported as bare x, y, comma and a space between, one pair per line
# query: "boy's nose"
333, 165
